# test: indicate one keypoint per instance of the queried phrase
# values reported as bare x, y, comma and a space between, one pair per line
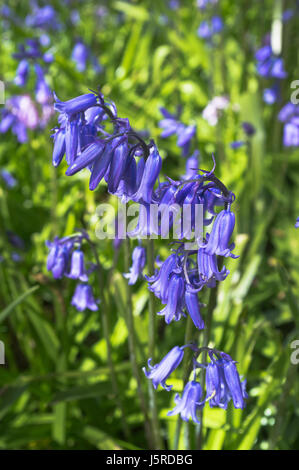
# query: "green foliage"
55, 387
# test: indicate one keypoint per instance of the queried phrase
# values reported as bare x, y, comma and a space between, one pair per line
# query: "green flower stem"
206, 339
187, 367
105, 321
151, 348
132, 350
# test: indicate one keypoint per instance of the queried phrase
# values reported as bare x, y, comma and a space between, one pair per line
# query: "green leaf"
16, 302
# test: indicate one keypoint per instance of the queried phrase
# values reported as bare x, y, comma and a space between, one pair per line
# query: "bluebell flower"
193, 308
43, 93
83, 298
248, 128
218, 242
208, 269
58, 259
207, 29
80, 55
8, 179
139, 260
160, 372
192, 166
19, 115
171, 125
223, 383
175, 299
93, 152
189, 404
77, 270
202, 4
159, 282
149, 177
59, 146
22, 73
270, 95
297, 223
75, 105
269, 65
289, 115
42, 17
237, 144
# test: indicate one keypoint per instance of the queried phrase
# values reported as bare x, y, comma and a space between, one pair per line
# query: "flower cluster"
208, 29
92, 136
66, 258
270, 66
222, 379
83, 140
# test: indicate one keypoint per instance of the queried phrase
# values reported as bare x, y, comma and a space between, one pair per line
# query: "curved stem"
105, 320
132, 350
151, 347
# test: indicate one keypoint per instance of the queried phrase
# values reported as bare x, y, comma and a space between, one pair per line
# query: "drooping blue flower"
270, 95
58, 258
42, 17
22, 73
248, 128
268, 64
43, 93
77, 270
208, 269
289, 115
75, 105
218, 242
80, 55
175, 299
160, 372
139, 260
193, 308
189, 404
8, 179
223, 383
237, 144
149, 177
297, 223
83, 298
159, 282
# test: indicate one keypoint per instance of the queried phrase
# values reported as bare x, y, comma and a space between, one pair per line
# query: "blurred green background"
55, 386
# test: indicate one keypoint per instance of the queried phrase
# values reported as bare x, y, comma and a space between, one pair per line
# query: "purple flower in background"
22, 73
8, 179
202, 4
297, 223
171, 125
42, 17
237, 144
43, 93
139, 260
270, 95
80, 55
289, 115
83, 298
188, 405
212, 111
192, 166
269, 65
248, 128
160, 372
19, 115
208, 29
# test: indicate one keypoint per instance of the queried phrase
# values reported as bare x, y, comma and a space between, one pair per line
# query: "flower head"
160, 372
188, 405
